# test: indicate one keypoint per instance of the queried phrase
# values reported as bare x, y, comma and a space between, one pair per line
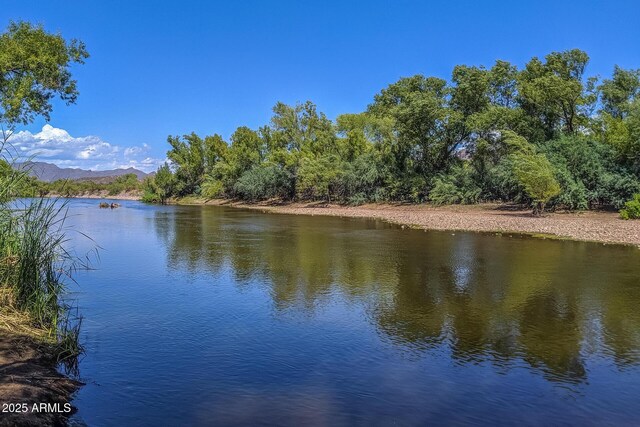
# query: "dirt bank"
28, 377
605, 227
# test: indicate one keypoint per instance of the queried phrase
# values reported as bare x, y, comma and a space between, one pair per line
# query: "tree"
193, 157
320, 177
426, 128
164, 183
34, 69
533, 170
301, 128
619, 92
215, 150
554, 91
246, 151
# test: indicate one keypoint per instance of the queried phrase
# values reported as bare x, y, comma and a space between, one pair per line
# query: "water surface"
212, 315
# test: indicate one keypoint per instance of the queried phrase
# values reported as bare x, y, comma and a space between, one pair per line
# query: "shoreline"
131, 195
587, 226
29, 375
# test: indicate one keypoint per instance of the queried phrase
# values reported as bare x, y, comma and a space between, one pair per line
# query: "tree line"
30, 186
546, 134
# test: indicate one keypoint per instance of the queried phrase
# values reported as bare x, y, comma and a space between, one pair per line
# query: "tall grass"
36, 266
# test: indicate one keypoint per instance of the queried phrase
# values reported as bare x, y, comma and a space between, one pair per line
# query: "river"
220, 316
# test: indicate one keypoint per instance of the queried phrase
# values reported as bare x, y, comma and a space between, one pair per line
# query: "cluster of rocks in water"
105, 205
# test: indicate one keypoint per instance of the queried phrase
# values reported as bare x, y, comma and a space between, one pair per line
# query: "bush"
457, 187
364, 179
211, 188
150, 197
588, 174
358, 199
320, 178
264, 182
631, 208
500, 183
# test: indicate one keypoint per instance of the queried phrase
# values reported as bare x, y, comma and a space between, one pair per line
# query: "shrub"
588, 174
533, 170
358, 199
631, 208
264, 182
150, 197
211, 188
320, 178
365, 177
457, 187
500, 183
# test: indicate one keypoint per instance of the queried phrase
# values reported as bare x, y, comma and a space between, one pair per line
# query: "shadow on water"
480, 298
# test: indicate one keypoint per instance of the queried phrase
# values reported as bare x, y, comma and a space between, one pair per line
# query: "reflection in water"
481, 298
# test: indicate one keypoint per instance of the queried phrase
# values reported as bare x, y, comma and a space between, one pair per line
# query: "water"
218, 316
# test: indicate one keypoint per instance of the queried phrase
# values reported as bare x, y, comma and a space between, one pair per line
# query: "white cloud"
54, 145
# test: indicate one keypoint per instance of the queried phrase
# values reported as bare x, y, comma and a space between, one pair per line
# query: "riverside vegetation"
32, 187
545, 135
34, 262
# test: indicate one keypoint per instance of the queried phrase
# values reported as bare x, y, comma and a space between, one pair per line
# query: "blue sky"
172, 67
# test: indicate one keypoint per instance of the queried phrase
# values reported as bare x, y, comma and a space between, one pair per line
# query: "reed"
35, 266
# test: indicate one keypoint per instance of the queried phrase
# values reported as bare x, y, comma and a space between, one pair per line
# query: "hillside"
49, 172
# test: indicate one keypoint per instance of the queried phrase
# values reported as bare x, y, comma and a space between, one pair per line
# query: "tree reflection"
485, 298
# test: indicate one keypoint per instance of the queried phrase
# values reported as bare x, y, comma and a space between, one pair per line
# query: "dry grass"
19, 322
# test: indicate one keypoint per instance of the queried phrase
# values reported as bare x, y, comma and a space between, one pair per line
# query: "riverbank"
28, 375
103, 194
594, 226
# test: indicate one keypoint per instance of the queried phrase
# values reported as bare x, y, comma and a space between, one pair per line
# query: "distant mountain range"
49, 172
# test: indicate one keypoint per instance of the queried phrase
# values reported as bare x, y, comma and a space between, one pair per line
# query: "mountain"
49, 172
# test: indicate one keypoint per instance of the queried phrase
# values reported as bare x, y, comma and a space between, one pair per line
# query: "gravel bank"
604, 227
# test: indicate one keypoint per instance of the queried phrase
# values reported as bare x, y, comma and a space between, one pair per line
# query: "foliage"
320, 178
456, 187
533, 171
264, 182
631, 208
212, 188
546, 133
588, 175
124, 183
34, 68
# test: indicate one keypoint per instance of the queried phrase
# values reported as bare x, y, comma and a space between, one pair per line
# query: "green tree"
165, 182
193, 157
426, 130
555, 93
246, 151
300, 129
320, 177
533, 170
34, 69
619, 92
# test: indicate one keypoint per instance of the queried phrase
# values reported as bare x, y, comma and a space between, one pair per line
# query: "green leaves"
619, 92
631, 208
487, 134
34, 68
533, 170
